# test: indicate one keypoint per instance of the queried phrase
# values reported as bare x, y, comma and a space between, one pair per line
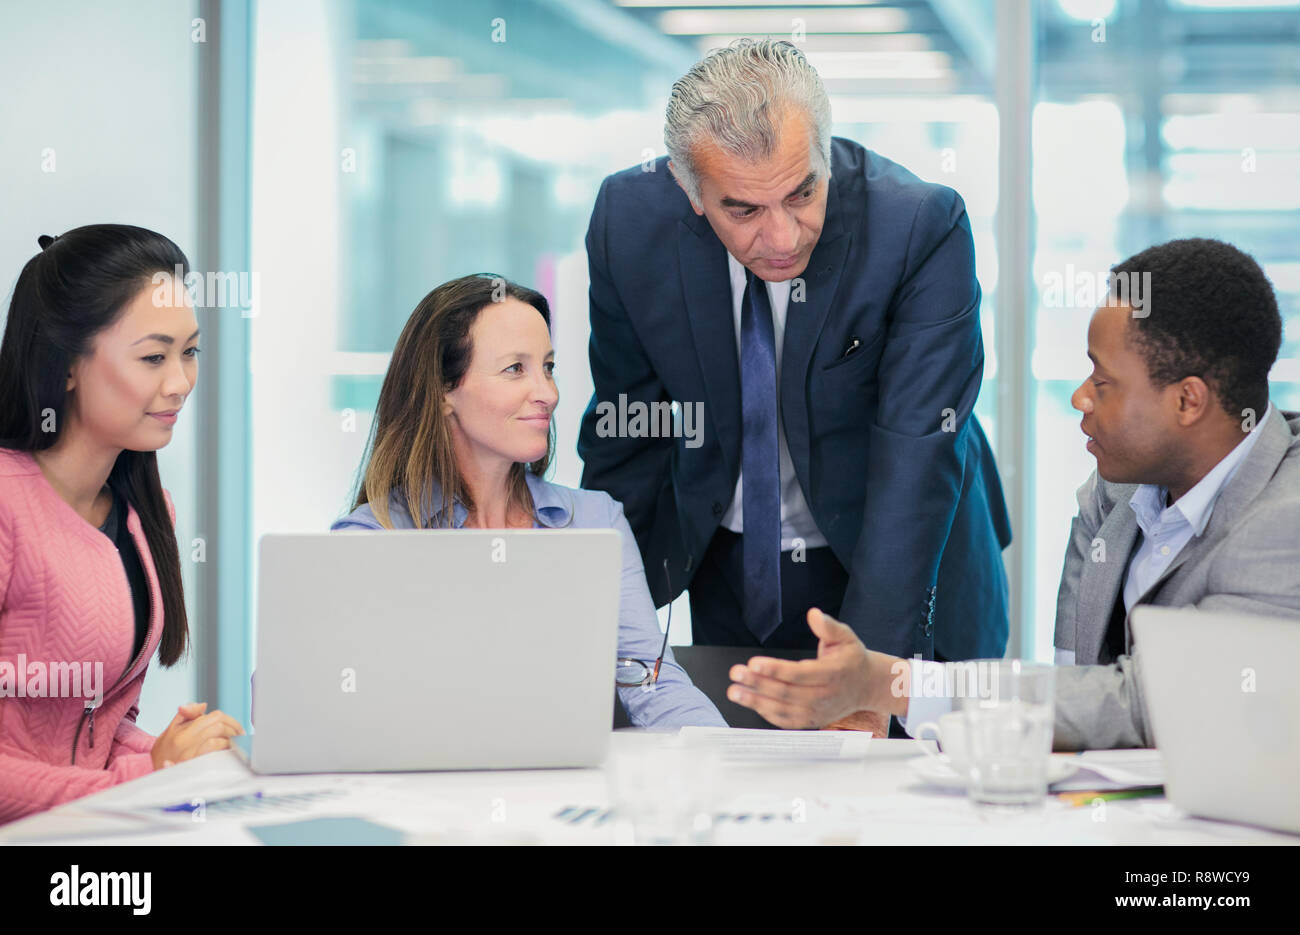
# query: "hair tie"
45, 240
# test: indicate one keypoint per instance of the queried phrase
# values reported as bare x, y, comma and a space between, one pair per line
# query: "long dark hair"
411, 449
74, 288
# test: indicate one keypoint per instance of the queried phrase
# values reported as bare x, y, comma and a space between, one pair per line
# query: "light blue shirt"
1164, 531
673, 701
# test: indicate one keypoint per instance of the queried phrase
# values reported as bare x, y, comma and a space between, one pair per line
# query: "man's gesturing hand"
846, 677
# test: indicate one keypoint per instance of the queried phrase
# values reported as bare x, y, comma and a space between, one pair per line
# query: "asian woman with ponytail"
96, 364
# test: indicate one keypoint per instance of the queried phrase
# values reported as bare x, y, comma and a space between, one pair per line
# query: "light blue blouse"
674, 701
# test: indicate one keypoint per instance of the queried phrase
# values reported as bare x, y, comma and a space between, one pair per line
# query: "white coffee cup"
950, 732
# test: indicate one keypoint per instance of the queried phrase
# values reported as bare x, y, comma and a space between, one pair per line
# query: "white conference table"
874, 799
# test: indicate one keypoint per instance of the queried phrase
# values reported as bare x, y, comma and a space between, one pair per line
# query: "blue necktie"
759, 462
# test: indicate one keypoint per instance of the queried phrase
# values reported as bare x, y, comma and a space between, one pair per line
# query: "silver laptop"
435, 650
1225, 710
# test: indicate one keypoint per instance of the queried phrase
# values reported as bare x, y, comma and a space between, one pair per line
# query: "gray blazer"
1246, 560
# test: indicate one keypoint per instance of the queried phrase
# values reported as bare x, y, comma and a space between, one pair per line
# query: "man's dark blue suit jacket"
895, 468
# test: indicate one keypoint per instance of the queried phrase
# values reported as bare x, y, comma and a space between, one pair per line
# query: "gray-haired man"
819, 303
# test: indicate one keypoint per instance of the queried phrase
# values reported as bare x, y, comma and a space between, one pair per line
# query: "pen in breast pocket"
853, 345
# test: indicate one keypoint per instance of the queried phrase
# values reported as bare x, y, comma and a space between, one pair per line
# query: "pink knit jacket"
64, 598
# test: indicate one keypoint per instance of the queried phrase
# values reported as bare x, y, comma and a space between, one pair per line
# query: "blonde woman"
462, 440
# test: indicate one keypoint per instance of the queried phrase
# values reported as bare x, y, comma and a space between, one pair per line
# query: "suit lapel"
1100, 582
706, 284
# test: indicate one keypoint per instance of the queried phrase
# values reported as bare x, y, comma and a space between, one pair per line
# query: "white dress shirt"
1163, 532
796, 518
